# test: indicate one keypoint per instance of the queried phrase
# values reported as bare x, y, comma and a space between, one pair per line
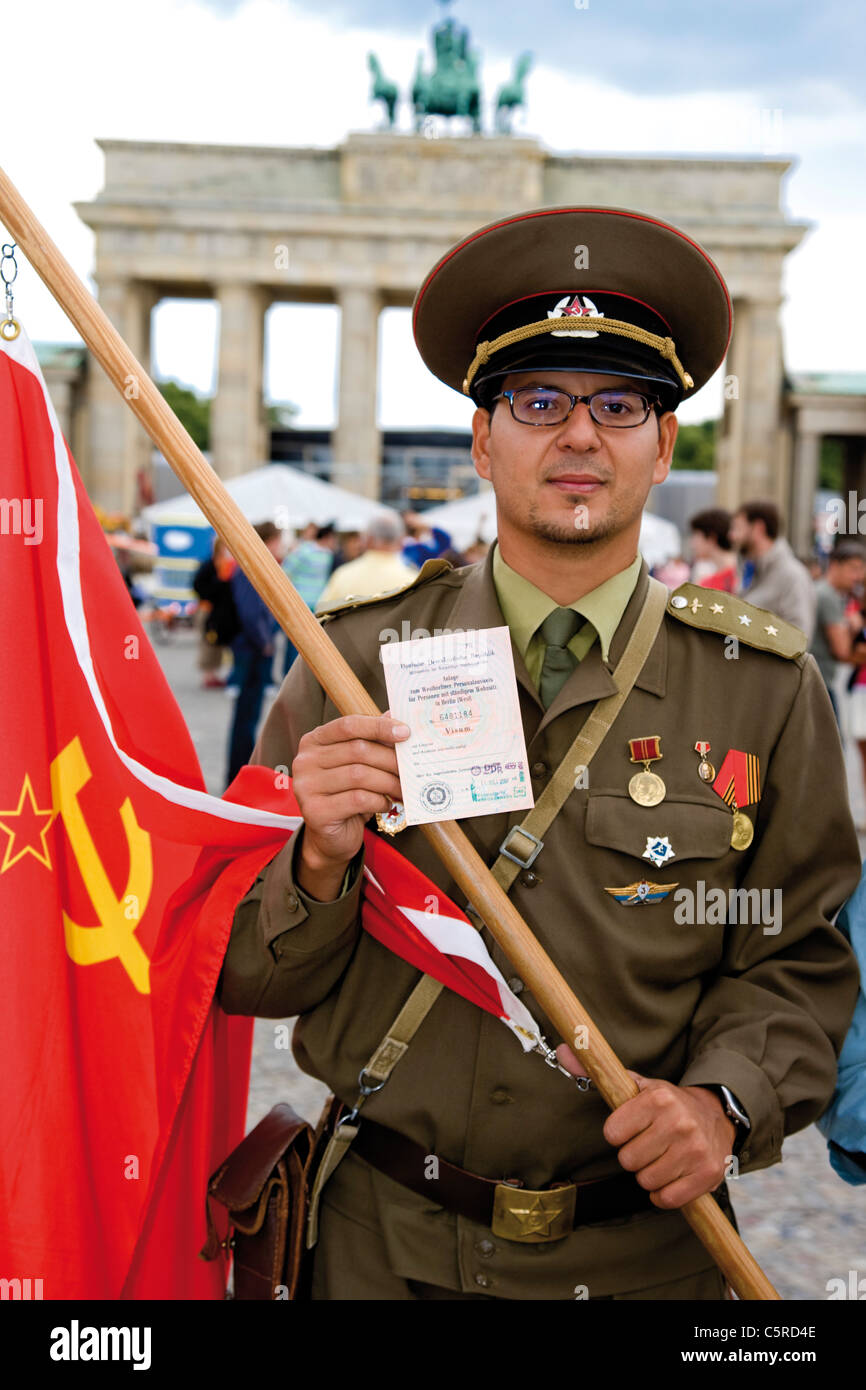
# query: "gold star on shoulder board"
754, 627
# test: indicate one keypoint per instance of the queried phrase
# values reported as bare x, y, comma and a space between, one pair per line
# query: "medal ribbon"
739, 779
645, 750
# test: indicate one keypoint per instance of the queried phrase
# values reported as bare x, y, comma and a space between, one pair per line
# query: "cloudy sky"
779, 78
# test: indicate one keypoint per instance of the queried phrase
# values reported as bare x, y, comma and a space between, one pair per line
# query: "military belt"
512, 1211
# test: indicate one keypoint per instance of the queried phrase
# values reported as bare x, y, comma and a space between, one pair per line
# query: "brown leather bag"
265, 1186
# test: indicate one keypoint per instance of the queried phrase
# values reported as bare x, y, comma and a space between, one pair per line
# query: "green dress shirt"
525, 607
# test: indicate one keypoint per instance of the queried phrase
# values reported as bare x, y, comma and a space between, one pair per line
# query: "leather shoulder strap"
377, 1070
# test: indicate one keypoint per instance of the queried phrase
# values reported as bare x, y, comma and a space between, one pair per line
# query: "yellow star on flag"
28, 830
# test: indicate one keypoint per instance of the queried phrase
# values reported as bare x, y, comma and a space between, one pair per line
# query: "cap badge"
574, 306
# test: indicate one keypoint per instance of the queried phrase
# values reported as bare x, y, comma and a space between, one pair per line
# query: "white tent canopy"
287, 496
473, 518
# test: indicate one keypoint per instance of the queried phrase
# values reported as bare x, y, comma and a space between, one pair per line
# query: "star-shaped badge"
745, 620
393, 820
534, 1218
659, 850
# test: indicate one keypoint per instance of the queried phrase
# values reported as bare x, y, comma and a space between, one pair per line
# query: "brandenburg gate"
359, 226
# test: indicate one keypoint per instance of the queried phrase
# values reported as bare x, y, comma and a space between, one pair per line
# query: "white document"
458, 694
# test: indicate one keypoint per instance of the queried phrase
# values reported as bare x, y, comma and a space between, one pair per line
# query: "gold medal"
739, 784
646, 788
742, 831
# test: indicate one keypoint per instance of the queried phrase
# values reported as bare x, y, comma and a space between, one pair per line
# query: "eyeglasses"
547, 405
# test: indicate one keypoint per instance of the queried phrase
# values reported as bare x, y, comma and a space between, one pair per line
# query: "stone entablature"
360, 226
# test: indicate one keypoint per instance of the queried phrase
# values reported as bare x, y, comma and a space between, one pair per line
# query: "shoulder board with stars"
715, 611
431, 569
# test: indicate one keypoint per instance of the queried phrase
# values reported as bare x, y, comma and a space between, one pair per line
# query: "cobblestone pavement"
804, 1225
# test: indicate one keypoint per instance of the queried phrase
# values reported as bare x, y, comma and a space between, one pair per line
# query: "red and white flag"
412, 917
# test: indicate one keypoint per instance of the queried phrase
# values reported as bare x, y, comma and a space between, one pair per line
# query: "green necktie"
557, 631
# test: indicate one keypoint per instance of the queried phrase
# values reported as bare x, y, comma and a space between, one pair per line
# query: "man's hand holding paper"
458, 695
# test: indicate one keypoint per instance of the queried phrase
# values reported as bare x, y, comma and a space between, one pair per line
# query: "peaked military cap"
588, 289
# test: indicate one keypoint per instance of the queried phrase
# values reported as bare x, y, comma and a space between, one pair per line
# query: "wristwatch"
735, 1112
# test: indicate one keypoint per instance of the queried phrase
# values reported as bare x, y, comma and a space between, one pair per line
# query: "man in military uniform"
732, 1021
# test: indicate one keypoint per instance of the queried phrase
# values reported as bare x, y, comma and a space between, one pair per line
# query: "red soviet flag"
122, 1084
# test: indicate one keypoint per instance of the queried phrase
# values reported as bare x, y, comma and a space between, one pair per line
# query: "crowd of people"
744, 553
741, 553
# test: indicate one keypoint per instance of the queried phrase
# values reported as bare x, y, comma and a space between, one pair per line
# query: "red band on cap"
557, 212
542, 294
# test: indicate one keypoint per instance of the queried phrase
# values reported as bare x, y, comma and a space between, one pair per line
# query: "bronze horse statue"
383, 90
512, 94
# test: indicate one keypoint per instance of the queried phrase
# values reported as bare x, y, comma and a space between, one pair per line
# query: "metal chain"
10, 327
543, 1047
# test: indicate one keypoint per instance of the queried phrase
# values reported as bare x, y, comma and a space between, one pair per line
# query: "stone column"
749, 453
807, 459
729, 453
238, 433
357, 443
761, 473
119, 446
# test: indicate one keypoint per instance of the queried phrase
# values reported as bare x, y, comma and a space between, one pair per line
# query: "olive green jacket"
761, 1006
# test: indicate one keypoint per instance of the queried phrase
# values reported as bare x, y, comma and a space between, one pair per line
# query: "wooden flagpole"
464, 864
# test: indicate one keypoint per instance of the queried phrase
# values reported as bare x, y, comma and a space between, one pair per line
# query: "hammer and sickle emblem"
115, 937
